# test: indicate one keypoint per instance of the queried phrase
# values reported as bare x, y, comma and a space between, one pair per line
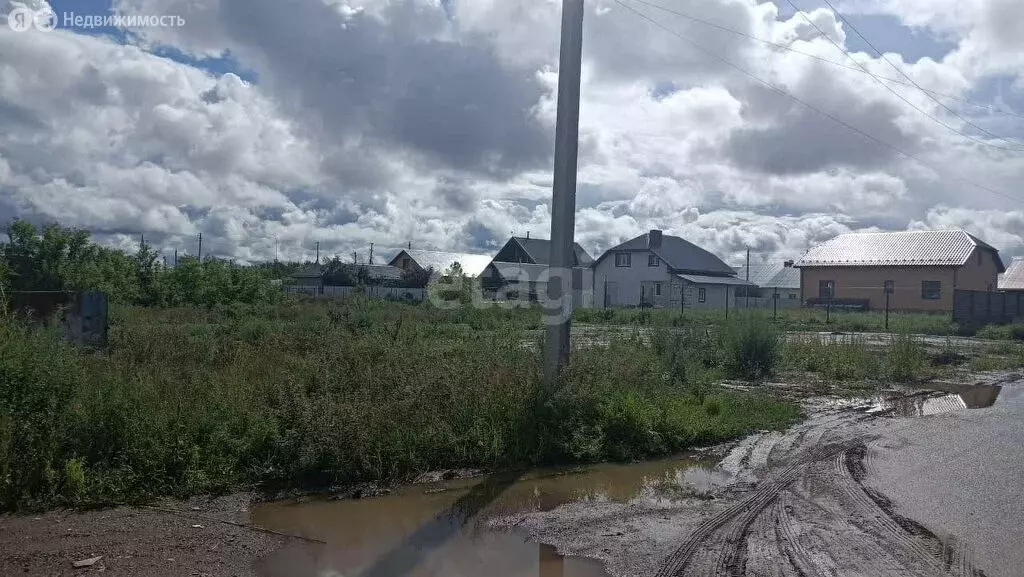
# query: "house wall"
869, 282
715, 295
625, 283
979, 273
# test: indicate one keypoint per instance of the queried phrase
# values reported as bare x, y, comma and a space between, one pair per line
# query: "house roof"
1013, 278
380, 271
678, 253
706, 279
311, 271
524, 272
772, 275
472, 264
909, 248
539, 250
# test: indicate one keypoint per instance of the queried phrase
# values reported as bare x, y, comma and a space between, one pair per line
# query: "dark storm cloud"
801, 140
394, 83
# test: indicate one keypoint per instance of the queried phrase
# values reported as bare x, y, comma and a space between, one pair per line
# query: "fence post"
775, 305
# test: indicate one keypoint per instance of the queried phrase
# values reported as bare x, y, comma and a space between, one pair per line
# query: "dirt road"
136, 542
812, 501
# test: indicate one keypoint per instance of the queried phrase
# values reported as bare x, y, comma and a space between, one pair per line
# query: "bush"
750, 345
905, 358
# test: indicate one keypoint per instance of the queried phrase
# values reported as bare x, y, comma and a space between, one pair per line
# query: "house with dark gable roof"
663, 271
519, 271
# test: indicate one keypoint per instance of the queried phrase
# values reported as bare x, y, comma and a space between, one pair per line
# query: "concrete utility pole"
317, 252
563, 200
746, 289
200, 247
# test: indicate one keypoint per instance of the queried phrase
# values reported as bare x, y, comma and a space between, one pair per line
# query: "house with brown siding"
921, 269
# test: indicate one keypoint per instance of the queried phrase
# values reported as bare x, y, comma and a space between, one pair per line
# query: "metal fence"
382, 292
81, 316
765, 303
975, 309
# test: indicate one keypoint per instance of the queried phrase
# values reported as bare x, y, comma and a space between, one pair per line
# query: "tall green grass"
191, 401
901, 358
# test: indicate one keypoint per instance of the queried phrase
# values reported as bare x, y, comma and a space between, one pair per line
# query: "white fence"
383, 292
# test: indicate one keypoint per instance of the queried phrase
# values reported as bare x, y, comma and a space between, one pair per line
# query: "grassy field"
312, 394
801, 319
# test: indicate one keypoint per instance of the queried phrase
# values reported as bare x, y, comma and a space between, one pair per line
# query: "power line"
905, 99
766, 42
904, 74
808, 105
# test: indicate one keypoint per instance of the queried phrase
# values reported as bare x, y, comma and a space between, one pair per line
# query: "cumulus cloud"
396, 121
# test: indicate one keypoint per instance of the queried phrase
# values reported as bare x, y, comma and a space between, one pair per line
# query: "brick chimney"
654, 239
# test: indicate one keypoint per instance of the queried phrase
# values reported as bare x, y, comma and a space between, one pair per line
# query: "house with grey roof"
519, 271
440, 262
919, 270
773, 278
663, 271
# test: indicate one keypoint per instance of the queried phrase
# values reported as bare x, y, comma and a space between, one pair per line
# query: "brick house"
920, 269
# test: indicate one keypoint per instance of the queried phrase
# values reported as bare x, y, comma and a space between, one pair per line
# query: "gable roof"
908, 248
1013, 278
539, 250
311, 271
679, 254
772, 275
472, 264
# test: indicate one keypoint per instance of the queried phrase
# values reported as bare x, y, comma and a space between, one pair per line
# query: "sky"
271, 125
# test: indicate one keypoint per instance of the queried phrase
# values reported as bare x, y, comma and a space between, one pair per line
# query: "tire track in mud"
815, 517
745, 510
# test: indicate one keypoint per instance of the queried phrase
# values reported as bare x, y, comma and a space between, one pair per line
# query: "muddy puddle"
945, 398
441, 529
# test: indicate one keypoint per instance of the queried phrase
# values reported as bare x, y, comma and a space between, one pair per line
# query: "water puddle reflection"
440, 529
959, 397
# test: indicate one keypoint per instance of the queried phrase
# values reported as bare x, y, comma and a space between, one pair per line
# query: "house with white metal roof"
919, 270
1013, 279
663, 271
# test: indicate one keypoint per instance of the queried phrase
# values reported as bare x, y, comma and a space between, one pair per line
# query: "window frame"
830, 285
702, 295
657, 289
653, 261
927, 295
627, 258
889, 287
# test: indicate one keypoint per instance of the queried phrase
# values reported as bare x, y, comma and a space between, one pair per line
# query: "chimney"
788, 264
410, 245
527, 235
654, 239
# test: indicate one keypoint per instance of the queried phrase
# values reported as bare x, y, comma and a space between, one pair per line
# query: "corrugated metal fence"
975, 309
383, 292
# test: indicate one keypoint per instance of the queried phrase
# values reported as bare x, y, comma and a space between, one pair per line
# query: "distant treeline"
57, 258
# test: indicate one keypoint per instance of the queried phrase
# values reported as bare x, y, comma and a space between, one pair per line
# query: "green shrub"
905, 358
750, 347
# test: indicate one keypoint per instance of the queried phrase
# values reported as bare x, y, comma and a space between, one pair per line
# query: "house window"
931, 290
405, 263
826, 289
657, 288
653, 260
702, 295
890, 287
792, 296
623, 259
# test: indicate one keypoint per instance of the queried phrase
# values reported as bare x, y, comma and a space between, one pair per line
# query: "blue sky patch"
71, 11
